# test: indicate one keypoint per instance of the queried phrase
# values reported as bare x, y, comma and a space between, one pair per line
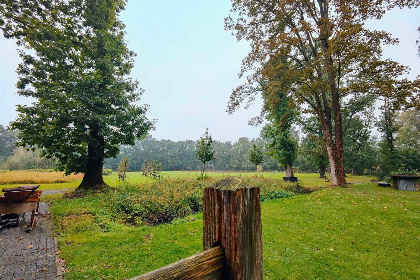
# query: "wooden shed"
405, 182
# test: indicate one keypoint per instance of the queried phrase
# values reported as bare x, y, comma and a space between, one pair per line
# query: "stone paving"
29, 255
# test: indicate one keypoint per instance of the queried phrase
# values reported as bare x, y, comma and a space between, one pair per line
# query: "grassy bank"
360, 232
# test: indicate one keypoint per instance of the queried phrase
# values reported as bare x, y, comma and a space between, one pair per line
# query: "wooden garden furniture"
21, 200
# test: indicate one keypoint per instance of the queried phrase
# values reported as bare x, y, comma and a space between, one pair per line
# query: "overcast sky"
188, 65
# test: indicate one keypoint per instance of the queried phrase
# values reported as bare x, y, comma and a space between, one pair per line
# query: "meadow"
310, 230
57, 180
358, 232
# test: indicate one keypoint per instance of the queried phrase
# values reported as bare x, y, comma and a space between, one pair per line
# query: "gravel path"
29, 255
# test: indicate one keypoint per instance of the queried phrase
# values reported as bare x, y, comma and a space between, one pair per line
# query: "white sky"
188, 66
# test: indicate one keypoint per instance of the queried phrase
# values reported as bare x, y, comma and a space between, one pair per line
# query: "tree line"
364, 152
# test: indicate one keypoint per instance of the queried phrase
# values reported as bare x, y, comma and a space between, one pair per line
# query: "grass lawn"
306, 179
360, 232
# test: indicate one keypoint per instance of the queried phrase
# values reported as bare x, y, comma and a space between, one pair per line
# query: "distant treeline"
180, 155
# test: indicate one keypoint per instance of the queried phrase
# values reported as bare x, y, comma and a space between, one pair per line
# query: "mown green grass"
359, 232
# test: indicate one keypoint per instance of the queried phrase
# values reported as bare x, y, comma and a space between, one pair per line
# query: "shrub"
157, 203
161, 202
106, 171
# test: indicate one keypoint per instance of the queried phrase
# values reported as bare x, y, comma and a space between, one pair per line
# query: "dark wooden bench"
20, 200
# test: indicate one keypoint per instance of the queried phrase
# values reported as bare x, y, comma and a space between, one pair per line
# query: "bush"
161, 202
107, 171
157, 203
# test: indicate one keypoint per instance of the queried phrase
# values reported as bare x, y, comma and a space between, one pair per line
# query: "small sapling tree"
205, 150
122, 168
256, 156
152, 169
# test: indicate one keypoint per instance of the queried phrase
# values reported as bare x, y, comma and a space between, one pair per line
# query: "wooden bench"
21, 200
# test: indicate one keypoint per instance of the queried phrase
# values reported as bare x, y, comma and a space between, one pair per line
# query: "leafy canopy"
75, 63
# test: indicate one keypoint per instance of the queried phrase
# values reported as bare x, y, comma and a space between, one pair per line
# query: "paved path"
28, 255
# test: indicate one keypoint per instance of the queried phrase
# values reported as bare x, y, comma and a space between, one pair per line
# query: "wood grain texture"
232, 219
207, 265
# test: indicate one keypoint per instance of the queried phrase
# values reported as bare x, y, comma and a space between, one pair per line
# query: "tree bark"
202, 172
93, 179
334, 146
289, 169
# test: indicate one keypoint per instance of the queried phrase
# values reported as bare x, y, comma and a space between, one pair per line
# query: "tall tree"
76, 68
281, 144
407, 140
359, 149
205, 150
324, 54
312, 146
240, 154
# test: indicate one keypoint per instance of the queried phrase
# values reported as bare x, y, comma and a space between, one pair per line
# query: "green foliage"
7, 142
407, 139
158, 203
256, 155
282, 146
389, 157
299, 233
75, 64
107, 171
320, 54
23, 159
151, 169
180, 155
205, 149
122, 169
312, 154
405, 172
360, 151
276, 195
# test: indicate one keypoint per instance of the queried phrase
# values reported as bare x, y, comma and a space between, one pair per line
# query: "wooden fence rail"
232, 237
208, 265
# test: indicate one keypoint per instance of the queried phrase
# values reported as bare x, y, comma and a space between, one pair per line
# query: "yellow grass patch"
36, 177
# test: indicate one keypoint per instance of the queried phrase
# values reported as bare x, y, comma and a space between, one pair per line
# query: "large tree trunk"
289, 169
337, 175
93, 179
334, 145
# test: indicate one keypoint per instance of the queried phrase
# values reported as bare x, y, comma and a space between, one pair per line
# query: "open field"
17, 178
36, 177
359, 232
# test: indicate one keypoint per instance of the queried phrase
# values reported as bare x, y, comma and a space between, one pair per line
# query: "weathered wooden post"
231, 237
232, 220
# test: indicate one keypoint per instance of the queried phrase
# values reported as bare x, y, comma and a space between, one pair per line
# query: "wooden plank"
207, 265
17, 207
232, 219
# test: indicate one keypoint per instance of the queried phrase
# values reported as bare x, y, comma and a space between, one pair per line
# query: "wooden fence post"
232, 219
